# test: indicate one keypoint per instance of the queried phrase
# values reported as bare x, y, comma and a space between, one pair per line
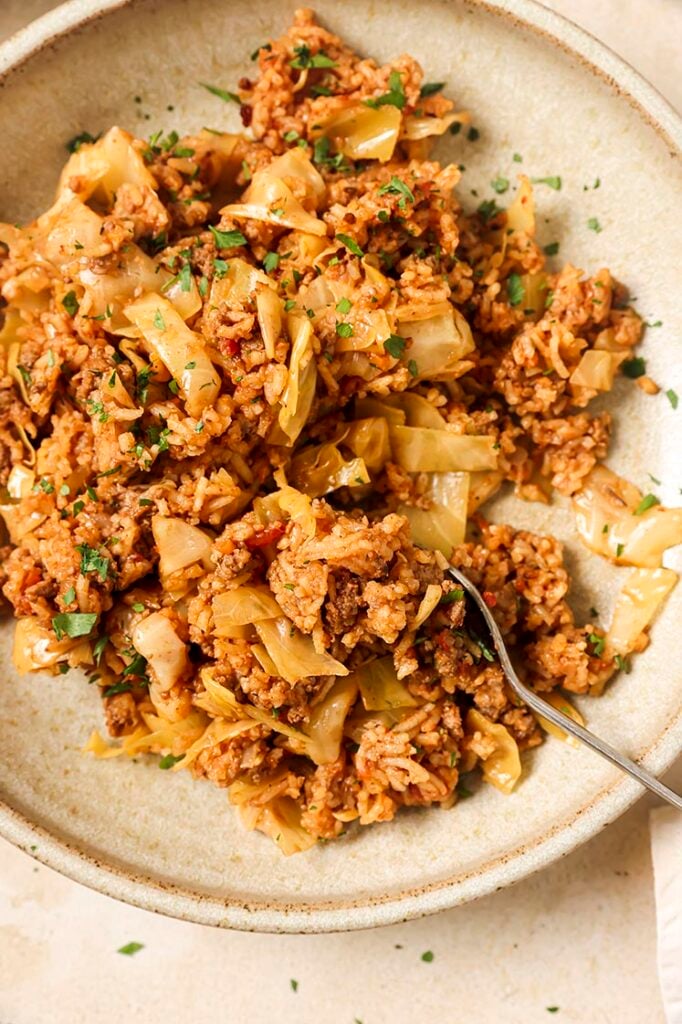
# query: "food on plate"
257, 389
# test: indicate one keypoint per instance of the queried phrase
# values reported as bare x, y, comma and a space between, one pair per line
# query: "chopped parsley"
622, 663
515, 289
131, 948
343, 306
305, 59
115, 688
413, 368
223, 94
159, 322
552, 249
220, 267
620, 548
517, 158
500, 184
395, 97
653, 323
672, 397
290, 304
397, 187
93, 561
647, 502
487, 210
457, 594
168, 760
227, 239
554, 181
594, 225
74, 144
190, 365
633, 368
69, 596
70, 303
473, 134
344, 330
73, 624
350, 244
431, 88
427, 957
395, 346
294, 984
270, 262
598, 642
98, 649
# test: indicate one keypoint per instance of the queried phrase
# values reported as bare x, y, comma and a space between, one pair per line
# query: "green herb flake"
220, 268
223, 94
305, 59
647, 502
344, 330
397, 187
623, 664
73, 624
289, 305
473, 135
395, 97
552, 249
168, 760
553, 181
633, 368
594, 225
270, 262
350, 244
653, 323
499, 184
427, 957
69, 596
487, 210
395, 346
74, 144
457, 594
620, 548
159, 322
294, 984
70, 303
552, 1009
517, 158
598, 642
431, 88
227, 239
343, 306
672, 397
413, 369
515, 289
131, 948
93, 561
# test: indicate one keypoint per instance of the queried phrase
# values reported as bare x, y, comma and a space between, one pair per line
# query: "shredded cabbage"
327, 720
179, 544
98, 170
439, 344
293, 653
299, 392
243, 607
642, 595
561, 703
363, 133
156, 640
268, 198
321, 469
380, 688
501, 768
424, 450
443, 525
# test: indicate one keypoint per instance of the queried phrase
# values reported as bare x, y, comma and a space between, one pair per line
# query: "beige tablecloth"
575, 943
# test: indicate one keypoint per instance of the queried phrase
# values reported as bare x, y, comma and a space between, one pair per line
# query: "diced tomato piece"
490, 598
269, 536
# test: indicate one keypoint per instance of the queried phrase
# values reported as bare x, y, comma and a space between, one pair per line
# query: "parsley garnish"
227, 239
427, 957
395, 346
633, 368
500, 184
452, 595
222, 94
70, 303
672, 397
554, 181
413, 368
220, 268
73, 624
620, 548
294, 984
395, 97
599, 643
74, 144
69, 596
515, 289
594, 225
517, 158
431, 88
98, 649
487, 210
131, 948
397, 187
93, 561
159, 322
350, 244
551, 249
622, 663
648, 501
305, 59
168, 760
473, 134
270, 262
344, 330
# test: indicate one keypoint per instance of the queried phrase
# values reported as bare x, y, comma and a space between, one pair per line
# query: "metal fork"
558, 718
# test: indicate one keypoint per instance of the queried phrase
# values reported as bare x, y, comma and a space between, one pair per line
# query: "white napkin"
666, 851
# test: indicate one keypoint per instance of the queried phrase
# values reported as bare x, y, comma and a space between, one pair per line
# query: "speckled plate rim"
599, 811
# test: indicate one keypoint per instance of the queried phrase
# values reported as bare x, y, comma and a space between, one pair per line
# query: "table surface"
579, 936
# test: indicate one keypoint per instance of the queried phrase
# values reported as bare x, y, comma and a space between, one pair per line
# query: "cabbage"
60, 231
179, 544
98, 170
175, 737
238, 285
502, 768
278, 817
595, 370
327, 719
217, 732
20, 481
643, 593
535, 291
156, 640
368, 439
269, 199
11, 342
607, 521
243, 607
364, 133
357, 723
417, 128
299, 392
320, 469
443, 525
481, 487
269, 309
561, 703
36, 647
223, 701
182, 352
521, 213
419, 412
424, 450
439, 343
294, 654
373, 407
380, 688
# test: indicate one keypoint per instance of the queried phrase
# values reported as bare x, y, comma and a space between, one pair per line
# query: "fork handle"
558, 718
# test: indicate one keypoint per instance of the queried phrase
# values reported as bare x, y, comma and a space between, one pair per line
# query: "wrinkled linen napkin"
666, 851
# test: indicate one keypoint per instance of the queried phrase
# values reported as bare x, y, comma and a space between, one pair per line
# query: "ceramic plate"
539, 87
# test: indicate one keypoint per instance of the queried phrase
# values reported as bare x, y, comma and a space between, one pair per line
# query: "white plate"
537, 86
